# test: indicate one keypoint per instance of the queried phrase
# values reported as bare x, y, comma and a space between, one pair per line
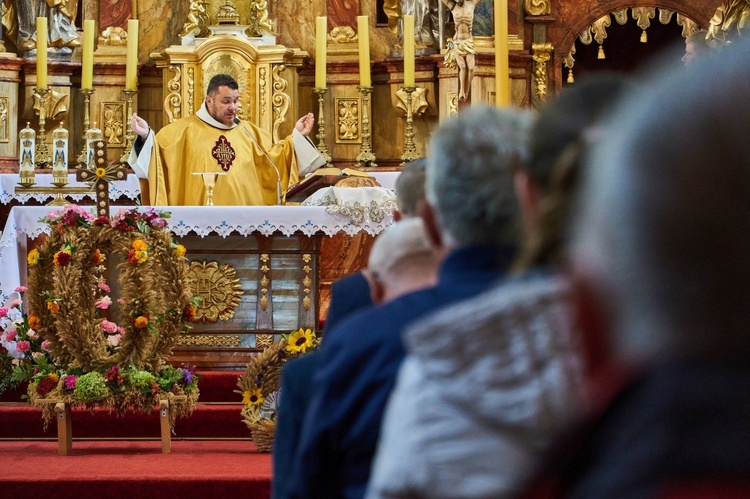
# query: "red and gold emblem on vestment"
223, 153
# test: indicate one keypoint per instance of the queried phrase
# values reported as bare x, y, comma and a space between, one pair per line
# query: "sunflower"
252, 398
100, 172
299, 341
33, 257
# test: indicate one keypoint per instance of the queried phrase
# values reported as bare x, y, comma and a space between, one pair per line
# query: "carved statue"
731, 20
198, 20
426, 24
19, 19
460, 50
259, 21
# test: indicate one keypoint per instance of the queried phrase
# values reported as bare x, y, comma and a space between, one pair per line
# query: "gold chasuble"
200, 144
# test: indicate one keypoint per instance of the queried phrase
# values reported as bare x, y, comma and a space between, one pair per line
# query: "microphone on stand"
278, 173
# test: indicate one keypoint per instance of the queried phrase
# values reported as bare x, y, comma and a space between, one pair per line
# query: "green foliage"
91, 386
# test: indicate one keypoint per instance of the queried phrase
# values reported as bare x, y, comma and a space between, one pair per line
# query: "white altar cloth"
23, 222
10, 190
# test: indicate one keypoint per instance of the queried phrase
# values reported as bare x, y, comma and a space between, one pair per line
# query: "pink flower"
104, 302
32, 334
16, 303
11, 335
70, 382
3, 312
109, 327
113, 340
21, 289
23, 346
103, 286
121, 301
121, 330
45, 345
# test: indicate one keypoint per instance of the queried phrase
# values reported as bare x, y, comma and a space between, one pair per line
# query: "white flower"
113, 340
37, 355
32, 334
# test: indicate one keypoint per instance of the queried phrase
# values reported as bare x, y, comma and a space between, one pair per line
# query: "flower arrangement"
22, 349
259, 385
101, 351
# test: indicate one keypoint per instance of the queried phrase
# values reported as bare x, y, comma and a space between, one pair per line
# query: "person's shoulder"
179, 127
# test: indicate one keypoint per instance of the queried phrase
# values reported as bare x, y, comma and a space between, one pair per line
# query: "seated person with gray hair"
470, 222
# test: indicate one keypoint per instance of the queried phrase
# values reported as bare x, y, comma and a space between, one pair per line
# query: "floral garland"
88, 358
260, 384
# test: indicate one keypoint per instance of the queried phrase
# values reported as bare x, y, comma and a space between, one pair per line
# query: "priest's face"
222, 105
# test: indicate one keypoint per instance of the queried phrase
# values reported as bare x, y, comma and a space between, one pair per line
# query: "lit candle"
41, 52
87, 63
502, 76
321, 33
408, 50
131, 70
363, 32
60, 155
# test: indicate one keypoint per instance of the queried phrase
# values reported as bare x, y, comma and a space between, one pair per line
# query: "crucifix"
98, 174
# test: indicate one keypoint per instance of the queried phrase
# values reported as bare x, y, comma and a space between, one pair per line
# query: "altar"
259, 270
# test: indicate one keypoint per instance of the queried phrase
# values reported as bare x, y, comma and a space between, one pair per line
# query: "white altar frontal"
257, 270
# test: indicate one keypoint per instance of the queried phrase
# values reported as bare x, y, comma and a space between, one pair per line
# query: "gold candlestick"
130, 134
42, 157
410, 150
87, 92
322, 125
366, 156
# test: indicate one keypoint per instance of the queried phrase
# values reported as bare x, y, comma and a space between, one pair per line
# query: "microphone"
278, 173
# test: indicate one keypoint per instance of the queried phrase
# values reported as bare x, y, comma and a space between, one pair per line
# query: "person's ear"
429, 219
377, 291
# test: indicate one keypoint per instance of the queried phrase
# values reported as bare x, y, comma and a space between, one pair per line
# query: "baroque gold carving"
113, 125
113, 36
688, 25
263, 291
173, 100
53, 103
262, 90
537, 7
541, 53
665, 16
198, 20
219, 289
621, 16
263, 340
643, 16
281, 101
208, 340
342, 34
419, 102
452, 103
190, 91
258, 21
569, 62
306, 281
348, 125
4, 104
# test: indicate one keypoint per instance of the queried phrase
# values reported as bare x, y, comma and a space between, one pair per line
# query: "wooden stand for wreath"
65, 424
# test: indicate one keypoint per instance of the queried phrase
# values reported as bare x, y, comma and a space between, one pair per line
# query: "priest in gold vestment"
214, 140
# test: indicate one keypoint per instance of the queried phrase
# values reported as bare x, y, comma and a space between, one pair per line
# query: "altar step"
216, 416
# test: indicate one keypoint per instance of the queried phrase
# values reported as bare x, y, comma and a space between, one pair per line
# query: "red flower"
155, 387
62, 258
101, 220
45, 385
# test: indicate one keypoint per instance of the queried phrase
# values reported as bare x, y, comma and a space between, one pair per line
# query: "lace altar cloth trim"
10, 190
360, 205
184, 220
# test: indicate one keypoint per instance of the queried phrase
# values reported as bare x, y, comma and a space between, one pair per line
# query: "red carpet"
135, 469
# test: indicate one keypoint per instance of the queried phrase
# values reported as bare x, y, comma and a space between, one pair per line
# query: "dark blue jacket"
358, 364
348, 294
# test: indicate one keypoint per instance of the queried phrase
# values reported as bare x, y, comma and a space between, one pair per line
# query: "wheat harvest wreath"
82, 348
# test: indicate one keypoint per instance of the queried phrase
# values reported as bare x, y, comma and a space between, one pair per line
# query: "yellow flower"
97, 258
141, 322
140, 245
180, 251
141, 256
100, 172
300, 341
54, 377
33, 257
53, 307
251, 398
34, 321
